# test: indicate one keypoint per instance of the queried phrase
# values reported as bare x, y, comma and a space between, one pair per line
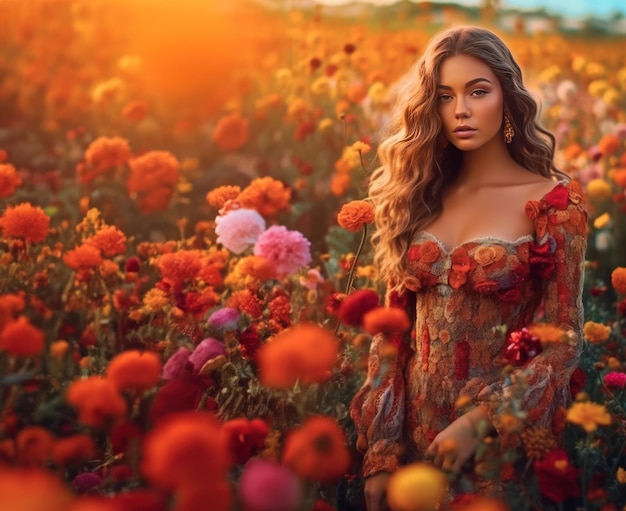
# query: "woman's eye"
479, 92
445, 97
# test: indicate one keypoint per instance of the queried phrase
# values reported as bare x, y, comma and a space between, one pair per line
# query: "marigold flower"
110, 240
134, 370
34, 445
179, 268
318, 450
353, 307
609, 144
97, 401
155, 299
183, 450
339, 185
239, 229
247, 302
266, 195
596, 333
73, 449
257, 267
305, 352
135, 110
618, 279
153, 178
588, 415
354, 215
21, 339
599, 189
105, 152
218, 197
416, 487
269, 486
25, 489
10, 307
9, 180
287, 250
386, 320
231, 132
602, 221
83, 257
25, 221
537, 441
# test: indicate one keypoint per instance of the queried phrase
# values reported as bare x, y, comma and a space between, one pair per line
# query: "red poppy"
558, 479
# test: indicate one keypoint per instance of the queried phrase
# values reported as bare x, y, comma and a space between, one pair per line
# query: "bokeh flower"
354, 306
614, 380
31, 489
244, 438
596, 333
9, 180
135, 371
588, 415
416, 487
208, 349
152, 180
269, 486
318, 450
25, 221
618, 279
354, 215
83, 257
287, 250
231, 132
108, 152
386, 320
558, 478
97, 401
305, 353
21, 339
239, 229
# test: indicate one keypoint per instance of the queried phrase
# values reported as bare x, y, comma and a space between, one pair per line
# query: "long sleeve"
378, 408
558, 257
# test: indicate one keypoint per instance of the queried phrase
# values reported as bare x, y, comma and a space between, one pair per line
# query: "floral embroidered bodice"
461, 298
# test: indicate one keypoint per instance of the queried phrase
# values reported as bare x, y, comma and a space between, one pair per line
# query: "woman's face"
470, 103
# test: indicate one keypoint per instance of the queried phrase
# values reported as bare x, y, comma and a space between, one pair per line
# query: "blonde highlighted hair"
417, 163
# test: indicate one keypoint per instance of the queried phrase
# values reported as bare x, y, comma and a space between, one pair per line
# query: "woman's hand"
376, 491
456, 444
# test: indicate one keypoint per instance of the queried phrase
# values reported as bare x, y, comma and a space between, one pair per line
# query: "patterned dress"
460, 298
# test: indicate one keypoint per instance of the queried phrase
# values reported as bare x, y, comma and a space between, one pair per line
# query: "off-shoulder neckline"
526, 238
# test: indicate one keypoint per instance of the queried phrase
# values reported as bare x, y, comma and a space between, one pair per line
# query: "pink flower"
615, 380
208, 349
521, 347
239, 229
311, 280
269, 486
287, 250
176, 364
224, 318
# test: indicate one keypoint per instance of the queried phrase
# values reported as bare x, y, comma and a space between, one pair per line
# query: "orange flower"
306, 353
10, 306
185, 450
572, 151
588, 415
155, 200
21, 339
318, 450
354, 215
618, 279
356, 92
135, 110
9, 180
29, 489
339, 184
547, 334
134, 370
34, 445
153, 178
247, 302
178, 268
97, 401
619, 176
25, 221
105, 152
73, 449
83, 257
109, 240
417, 487
596, 333
257, 267
386, 320
267, 195
231, 132
608, 144
222, 194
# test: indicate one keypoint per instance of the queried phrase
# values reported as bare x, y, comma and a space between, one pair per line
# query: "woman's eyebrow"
468, 84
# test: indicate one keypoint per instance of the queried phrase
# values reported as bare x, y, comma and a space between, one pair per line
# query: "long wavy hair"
416, 161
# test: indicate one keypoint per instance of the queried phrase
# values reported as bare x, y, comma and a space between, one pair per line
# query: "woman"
476, 230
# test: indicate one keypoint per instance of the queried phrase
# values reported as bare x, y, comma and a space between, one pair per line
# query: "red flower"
249, 342
577, 381
356, 305
521, 347
558, 479
244, 438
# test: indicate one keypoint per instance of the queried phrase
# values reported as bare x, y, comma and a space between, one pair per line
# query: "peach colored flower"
267, 195
25, 221
231, 132
134, 370
153, 179
9, 180
354, 215
609, 144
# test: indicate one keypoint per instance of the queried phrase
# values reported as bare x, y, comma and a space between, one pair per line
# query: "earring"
509, 132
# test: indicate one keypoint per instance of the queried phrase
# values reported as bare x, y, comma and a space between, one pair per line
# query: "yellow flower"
598, 87
621, 475
377, 93
321, 86
361, 146
611, 97
284, 78
369, 272
578, 64
416, 487
550, 74
599, 189
325, 124
596, 333
602, 221
588, 415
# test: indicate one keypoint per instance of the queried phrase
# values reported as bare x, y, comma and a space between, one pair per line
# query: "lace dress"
461, 296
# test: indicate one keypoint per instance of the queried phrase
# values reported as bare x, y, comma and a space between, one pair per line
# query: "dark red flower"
356, 305
521, 347
249, 343
577, 381
557, 478
244, 438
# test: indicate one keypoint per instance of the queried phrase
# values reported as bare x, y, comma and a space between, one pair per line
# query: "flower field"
186, 294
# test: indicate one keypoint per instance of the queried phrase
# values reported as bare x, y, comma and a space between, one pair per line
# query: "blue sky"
598, 8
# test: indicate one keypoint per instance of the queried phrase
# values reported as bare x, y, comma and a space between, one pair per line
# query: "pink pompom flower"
287, 250
239, 229
208, 349
269, 486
